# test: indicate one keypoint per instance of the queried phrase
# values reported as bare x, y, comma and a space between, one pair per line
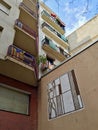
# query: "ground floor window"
63, 95
13, 100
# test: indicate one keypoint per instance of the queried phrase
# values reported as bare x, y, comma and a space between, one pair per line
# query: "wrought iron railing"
28, 9
25, 28
21, 56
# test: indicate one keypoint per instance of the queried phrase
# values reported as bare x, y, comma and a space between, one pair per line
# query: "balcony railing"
28, 9
25, 28
21, 56
56, 33
54, 47
54, 19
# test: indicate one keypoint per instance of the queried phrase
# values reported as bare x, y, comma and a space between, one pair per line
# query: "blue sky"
73, 13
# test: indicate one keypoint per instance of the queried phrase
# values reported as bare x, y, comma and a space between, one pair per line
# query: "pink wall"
13, 121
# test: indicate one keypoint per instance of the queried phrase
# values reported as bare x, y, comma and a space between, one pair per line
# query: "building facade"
52, 41
51, 116
18, 35
18, 69
18, 109
67, 95
47, 81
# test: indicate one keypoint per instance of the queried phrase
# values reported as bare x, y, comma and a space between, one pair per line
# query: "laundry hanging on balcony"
53, 15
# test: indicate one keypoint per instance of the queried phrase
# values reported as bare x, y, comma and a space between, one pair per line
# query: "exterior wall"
85, 66
7, 22
41, 37
13, 121
84, 36
13, 34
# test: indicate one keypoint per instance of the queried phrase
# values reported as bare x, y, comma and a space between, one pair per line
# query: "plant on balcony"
42, 60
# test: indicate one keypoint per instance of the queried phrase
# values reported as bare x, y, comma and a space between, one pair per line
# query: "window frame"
20, 91
72, 74
6, 7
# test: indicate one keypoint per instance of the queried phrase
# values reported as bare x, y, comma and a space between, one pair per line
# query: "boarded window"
4, 7
63, 95
13, 100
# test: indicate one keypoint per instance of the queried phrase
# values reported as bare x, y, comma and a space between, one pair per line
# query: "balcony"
19, 65
53, 51
25, 28
53, 22
28, 8
31, 4
46, 63
49, 31
25, 38
21, 56
28, 16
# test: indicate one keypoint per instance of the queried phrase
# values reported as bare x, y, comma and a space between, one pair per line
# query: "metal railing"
21, 56
25, 28
54, 47
52, 18
28, 9
56, 33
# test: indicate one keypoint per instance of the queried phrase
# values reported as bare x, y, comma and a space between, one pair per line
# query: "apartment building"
18, 69
53, 43
28, 31
47, 81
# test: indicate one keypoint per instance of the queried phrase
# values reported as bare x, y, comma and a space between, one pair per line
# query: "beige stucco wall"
84, 36
85, 66
7, 22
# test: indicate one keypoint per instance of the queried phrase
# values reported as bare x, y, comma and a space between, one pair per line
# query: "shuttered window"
13, 100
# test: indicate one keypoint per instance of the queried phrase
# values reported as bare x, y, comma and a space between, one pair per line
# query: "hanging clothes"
53, 15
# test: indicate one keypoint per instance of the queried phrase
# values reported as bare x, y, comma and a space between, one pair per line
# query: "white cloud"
81, 20
67, 9
74, 17
71, 14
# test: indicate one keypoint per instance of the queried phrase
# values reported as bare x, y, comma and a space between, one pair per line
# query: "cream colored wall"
30, 4
85, 66
84, 36
7, 22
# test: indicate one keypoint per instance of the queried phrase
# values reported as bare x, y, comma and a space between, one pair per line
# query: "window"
4, 7
63, 95
1, 29
13, 100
